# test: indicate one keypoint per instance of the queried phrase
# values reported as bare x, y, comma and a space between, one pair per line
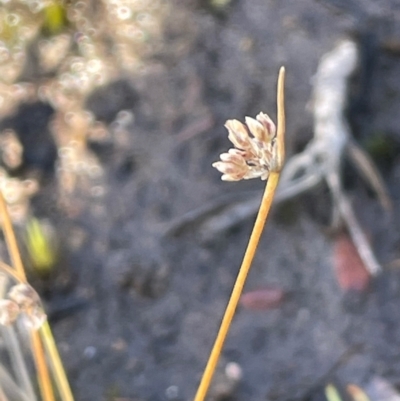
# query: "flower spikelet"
22, 300
254, 150
9, 312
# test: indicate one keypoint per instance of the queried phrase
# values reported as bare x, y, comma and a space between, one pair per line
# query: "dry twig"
321, 160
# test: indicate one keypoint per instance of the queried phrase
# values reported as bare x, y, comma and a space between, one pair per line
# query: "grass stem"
18, 362
42, 371
55, 360
238, 287
11, 240
259, 224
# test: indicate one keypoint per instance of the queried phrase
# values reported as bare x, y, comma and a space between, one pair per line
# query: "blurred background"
111, 113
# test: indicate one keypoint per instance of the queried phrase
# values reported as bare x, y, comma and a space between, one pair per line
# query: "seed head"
9, 312
23, 300
24, 295
34, 317
254, 149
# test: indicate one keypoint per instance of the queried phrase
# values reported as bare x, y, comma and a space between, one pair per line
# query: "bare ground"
146, 304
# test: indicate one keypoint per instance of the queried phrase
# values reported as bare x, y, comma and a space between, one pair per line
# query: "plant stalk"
45, 384
259, 224
238, 287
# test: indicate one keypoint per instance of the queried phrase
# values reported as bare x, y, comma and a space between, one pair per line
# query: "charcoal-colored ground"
152, 301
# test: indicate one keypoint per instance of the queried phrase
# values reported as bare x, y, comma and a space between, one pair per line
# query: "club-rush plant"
259, 151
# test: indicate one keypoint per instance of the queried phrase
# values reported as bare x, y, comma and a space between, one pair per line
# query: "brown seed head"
253, 152
35, 317
24, 295
25, 300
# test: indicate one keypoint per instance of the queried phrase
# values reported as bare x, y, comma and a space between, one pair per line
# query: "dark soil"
137, 307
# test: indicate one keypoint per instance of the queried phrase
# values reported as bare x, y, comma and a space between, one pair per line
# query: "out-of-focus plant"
59, 52
258, 152
41, 246
56, 52
29, 358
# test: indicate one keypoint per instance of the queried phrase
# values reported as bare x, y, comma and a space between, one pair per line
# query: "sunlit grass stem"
238, 287
55, 360
259, 224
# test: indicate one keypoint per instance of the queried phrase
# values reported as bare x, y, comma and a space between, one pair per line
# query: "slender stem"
18, 362
277, 164
9, 335
11, 272
237, 289
11, 240
259, 224
43, 375
58, 369
9, 386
